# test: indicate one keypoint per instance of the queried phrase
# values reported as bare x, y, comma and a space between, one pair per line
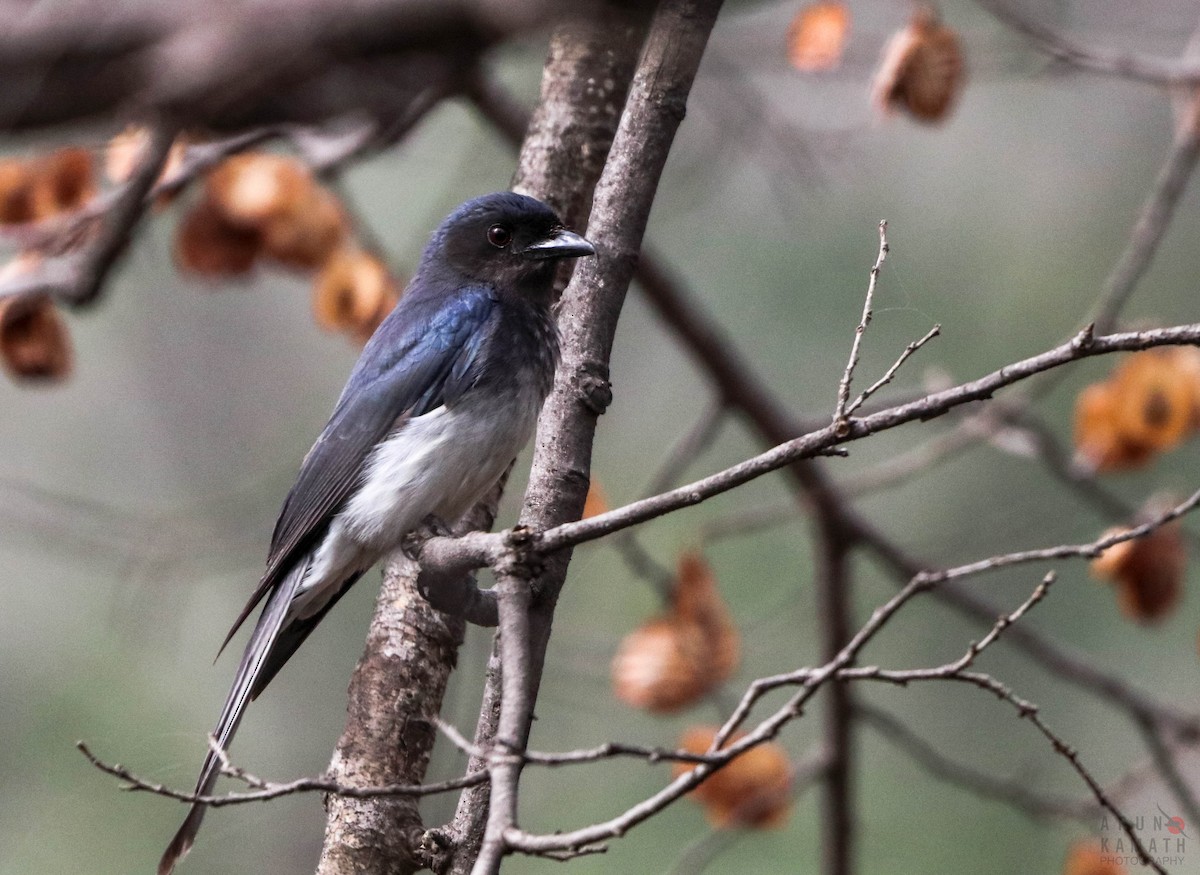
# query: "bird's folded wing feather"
403, 372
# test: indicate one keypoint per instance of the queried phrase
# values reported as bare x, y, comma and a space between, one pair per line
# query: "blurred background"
137, 498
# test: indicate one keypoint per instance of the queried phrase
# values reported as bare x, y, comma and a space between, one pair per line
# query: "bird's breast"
440, 463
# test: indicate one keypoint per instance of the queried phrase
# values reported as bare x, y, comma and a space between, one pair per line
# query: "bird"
443, 397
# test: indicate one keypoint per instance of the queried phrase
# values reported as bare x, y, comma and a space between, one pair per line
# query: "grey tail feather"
292, 636
258, 652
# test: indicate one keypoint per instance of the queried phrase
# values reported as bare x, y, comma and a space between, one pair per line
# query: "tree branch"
267, 790
1156, 71
590, 308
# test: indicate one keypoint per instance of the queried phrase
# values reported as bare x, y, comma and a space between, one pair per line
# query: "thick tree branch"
586, 78
245, 63
591, 306
395, 696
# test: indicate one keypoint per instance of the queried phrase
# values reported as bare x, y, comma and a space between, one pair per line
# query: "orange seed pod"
1099, 442
62, 181
921, 70
307, 233
255, 187
207, 244
16, 192
817, 37
1148, 571
596, 501
350, 292
675, 659
1154, 401
753, 790
34, 341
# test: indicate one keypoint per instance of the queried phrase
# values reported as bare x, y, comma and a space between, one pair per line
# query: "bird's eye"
499, 236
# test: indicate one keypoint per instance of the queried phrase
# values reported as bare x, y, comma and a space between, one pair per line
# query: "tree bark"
584, 85
395, 697
588, 317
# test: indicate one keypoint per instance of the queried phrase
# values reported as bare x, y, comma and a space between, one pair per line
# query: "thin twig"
273, 790
890, 373
926, 580
1155, 70
1029, 711
843, 395
936, 404
479, 550
607, 751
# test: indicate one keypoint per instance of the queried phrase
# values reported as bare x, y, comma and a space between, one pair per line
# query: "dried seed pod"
660, 666
34, 341
1109, 563
16, 192
351, 292
1149, 404
1155, 402
816, 37
306, 235
675, 659
1149, 571
697, 599
256, 187
921, 70
1088, 858
1099, 442
753, 790
62, 181
207, 244
387, 304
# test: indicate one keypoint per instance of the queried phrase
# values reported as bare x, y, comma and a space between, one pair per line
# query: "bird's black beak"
561, 244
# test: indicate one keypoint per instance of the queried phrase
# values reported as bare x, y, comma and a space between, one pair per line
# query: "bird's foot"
460, 596
435, 850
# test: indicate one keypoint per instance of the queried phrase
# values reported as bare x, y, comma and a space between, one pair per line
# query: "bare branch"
272, 789
843, 395
75, 275
1158, 71
592, 302
1082, 346
890, 373
244, 64
1029, 711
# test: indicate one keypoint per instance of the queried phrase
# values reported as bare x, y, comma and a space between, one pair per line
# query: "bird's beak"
561, 244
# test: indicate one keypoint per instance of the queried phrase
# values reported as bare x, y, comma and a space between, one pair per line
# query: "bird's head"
507, 240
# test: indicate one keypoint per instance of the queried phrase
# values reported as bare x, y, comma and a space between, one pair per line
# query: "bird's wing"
408, 368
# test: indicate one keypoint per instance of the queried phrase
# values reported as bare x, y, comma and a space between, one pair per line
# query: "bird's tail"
258, 653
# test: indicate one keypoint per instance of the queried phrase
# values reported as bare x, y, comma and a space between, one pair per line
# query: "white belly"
440, 463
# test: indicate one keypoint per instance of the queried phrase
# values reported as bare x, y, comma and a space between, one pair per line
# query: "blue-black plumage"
443, 397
